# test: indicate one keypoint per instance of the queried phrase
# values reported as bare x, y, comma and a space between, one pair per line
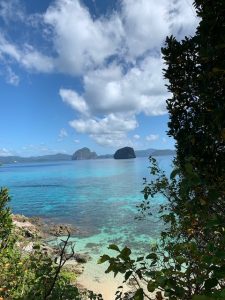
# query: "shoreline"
90, 275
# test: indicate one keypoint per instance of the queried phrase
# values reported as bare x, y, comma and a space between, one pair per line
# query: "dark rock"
125, 153
28, 233
84, 153
81, 258
61, 229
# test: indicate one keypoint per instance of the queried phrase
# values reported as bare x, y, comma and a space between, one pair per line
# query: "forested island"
80, 154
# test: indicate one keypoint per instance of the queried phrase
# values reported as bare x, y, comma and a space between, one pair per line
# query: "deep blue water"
98, 196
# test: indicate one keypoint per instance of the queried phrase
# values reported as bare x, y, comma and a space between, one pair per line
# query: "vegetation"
29, 275
33, 274
189, 260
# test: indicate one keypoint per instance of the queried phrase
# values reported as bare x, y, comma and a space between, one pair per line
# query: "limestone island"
84, 153
125, 153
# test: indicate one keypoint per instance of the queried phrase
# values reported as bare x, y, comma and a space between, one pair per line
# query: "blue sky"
85, 73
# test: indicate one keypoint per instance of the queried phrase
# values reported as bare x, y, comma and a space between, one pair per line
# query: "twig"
61, 264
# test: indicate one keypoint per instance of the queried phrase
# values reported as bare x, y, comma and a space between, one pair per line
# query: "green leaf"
141, 258
152, 256
180, 259
114, 247
151, 286
36, 247
139, 295
202, 297
127, 275
210, 283
103, 259
189, 168
174, 173
125, 252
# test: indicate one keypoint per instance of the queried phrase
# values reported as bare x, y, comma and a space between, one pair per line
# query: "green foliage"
5, 219
33, 274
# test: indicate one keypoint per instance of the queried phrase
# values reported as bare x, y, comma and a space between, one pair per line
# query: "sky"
86, 73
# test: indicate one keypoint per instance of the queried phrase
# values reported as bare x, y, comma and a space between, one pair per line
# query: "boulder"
125, 153
84, 153
61, 229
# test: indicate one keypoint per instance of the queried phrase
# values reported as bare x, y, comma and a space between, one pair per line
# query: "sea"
99, 197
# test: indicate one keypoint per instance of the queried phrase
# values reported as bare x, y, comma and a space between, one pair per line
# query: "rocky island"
125, 153
84, 153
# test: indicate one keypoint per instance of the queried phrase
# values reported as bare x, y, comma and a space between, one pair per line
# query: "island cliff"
84, 153
125, 153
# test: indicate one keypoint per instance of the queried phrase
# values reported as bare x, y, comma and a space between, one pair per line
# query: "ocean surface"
97, 196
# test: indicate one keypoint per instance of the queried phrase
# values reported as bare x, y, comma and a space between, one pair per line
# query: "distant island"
84, 153
124, 153
80, 155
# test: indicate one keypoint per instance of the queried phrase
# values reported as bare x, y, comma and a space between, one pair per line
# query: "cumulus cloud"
108, 131
145, 23
81, 42
140, 89
117, 56
112, 122
74, 100
152, 137
119, 59
136, 136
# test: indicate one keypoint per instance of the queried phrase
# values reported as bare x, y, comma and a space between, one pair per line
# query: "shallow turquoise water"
98, 196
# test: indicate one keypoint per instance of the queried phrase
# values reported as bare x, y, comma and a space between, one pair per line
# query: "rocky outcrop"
125, 153
84, 153
37, 227
62, 229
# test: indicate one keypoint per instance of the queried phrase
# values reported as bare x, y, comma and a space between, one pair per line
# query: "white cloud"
112, 139
80, 41
74, 100
5, 152
145, 23
28, 57
136, 136
117, 57
182, 18
111, 123
11, 10
108, 131
7, 48
36, 61
152, 137
11, 77
110, 90
76, 141
63, 133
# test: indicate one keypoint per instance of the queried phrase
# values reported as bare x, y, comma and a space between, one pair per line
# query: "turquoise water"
97, 196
